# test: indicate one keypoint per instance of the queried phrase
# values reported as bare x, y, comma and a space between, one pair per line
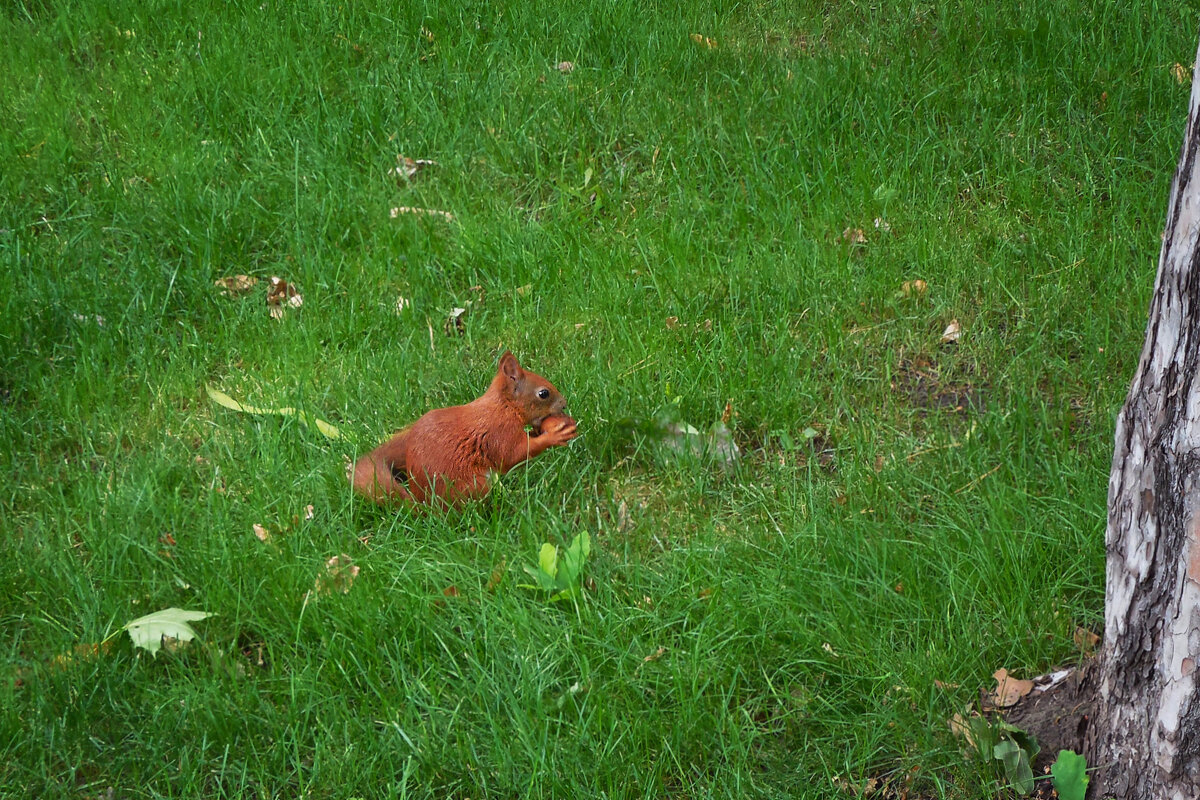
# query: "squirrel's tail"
381, 474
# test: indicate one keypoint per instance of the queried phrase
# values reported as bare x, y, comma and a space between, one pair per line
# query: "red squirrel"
449, 454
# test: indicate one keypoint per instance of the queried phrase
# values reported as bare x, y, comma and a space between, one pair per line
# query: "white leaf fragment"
952, 333
147, 632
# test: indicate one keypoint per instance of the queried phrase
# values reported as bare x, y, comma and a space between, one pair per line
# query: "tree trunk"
1144, 739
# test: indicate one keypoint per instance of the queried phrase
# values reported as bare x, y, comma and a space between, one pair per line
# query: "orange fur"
448, 455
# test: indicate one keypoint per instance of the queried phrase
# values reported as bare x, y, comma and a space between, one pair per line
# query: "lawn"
769, 212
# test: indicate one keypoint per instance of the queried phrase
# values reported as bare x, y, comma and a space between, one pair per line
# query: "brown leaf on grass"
421, 212
952, 332
960, 727
451, 591
408, 168
497, 575
656, 655
704, 41
1008, 689
262, 533
282, 295
172, 645
1181, 73
728, 414
339, 576
565, 67
864, 790
522, 291
624, 522
854, 236
672, 323
235, 285
915, 288
945, 686
1086, 641
89, 651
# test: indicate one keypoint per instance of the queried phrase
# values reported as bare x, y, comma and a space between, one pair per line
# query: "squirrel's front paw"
558, 429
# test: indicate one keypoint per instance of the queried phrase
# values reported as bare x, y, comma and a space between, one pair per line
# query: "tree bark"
1144, 739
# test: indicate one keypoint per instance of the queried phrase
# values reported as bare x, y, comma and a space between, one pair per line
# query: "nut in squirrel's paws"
556, 424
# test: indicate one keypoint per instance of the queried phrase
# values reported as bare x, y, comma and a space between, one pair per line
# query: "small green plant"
1014, 748
564, 578
1069, 771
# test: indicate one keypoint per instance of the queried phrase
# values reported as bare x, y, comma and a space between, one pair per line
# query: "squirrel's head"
531, 394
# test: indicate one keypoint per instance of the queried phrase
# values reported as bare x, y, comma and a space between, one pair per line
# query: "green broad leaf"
885, 194
984, 736
1017, 769
222, 399
575, 556
1024, 739
548, 560
1069, 771
147, 632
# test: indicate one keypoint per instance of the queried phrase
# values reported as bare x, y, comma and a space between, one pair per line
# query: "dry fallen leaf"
407, 168
728, 414
521, 291
914, 288
234, 285
421, 212
656, 655
455, 324
1008, 689
565, 67
1180, 72
451, 591
624, 523
81, 652
339, 576
704, 41
952, 333
96, 318
854, 236
262, 533
672, 323
281, 295
1086, 641
959, 727
497, 575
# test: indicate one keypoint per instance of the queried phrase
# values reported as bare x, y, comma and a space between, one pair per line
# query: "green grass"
805, 604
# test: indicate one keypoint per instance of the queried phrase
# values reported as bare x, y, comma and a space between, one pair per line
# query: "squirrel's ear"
509, 367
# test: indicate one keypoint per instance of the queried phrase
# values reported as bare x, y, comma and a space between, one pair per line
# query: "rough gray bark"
1145, 735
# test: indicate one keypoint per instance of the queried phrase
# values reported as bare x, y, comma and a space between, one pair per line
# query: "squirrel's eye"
543, 393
